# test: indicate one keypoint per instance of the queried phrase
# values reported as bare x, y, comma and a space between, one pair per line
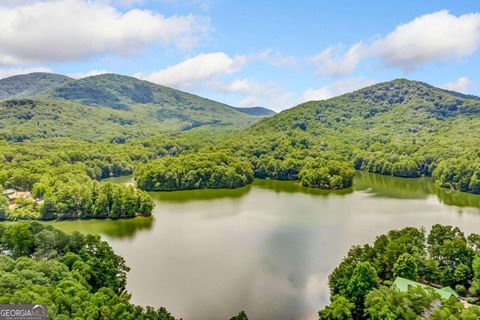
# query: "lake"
266, 248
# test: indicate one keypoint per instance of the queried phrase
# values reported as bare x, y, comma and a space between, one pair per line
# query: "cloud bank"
194, 71
8, 72
435, 37
56, 31
335, 89
462, 85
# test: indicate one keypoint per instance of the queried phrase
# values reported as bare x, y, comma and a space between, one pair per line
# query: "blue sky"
247, 53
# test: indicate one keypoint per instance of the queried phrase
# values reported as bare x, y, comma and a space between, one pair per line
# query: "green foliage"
339, 309
445, 257
3, 207
67, 200
364, 278
405, 267
110, 108
326, 174
401, 128
58, 179
194, 171
241, 316
30, 85
384, 303
159, 103
458, 173
76, 276
257, 111
431, 270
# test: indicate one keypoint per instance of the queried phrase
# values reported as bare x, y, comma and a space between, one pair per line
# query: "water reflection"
125, 228
294, 186
374, 184
266, 248
412, 188
459, 199
393, 187
205, 194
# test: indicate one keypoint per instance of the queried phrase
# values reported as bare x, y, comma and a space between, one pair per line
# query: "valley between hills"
66, 145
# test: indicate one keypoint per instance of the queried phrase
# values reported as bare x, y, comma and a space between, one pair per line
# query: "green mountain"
391, 108
30, 85
110, 107
257, 111
158, 102
401, 128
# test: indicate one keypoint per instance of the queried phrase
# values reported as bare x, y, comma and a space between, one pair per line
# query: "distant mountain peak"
406, 84
397, 103
257, 111
30, 85
121, 105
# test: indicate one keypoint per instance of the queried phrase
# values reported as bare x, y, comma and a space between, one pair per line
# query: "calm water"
266, 248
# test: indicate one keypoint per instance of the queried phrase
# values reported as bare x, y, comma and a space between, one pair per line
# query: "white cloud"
254, 93
8, 72
14, 3
129, 3
461, 85
202, 4
207, 72
432, 37
439, 36
330, 63
79, 75
247, 86
335, 89
194, 71
274, 58
76, 29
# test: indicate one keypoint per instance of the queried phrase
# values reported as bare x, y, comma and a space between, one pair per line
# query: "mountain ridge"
30, 85
106, 104
257, 111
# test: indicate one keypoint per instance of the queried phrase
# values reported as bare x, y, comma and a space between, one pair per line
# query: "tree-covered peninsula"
202, 170
409, 274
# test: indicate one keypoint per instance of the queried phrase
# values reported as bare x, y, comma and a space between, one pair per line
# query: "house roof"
403, 284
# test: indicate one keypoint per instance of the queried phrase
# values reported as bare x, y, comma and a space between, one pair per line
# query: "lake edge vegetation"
364, 286
400, 128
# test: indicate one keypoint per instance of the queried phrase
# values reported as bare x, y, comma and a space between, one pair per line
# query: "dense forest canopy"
401, 128
25, 86
67, 133
59, 139
200, 170
106, 107
362, 286
61, 179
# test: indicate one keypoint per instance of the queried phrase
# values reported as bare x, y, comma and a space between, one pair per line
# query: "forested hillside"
107, 107
401, 128
30, 85
257, 111
154, 101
